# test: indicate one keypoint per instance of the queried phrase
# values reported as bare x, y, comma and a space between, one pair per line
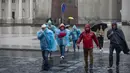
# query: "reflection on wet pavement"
73, 63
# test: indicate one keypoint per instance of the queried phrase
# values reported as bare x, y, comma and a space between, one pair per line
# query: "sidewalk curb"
16, 49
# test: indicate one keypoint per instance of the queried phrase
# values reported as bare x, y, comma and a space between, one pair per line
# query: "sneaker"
62, 57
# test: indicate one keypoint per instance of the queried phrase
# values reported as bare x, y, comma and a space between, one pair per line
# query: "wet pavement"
31, 62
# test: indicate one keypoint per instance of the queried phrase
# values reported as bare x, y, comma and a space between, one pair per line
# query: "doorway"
13, 15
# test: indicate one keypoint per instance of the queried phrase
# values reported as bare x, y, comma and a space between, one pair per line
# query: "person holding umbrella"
99, 28
69, 19
100, 36
117, 43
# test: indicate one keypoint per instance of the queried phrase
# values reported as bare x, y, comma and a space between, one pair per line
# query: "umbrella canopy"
71, 18
97, 26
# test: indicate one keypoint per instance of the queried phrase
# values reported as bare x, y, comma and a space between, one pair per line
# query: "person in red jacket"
88, 36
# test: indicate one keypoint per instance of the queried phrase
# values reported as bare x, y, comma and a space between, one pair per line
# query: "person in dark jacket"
117, 43
88, 36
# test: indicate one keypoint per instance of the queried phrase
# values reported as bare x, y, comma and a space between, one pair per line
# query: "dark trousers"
74, 45
118, 50
62, 50
45, 65
88, 53
101, 41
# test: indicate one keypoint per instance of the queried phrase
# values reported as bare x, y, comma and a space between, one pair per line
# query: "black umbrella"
97, 26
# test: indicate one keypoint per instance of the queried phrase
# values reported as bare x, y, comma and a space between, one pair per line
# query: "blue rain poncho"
75, 33
67, 37
47, 40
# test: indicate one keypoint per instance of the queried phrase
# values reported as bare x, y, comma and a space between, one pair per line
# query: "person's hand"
111, 33
98, 47
78, 45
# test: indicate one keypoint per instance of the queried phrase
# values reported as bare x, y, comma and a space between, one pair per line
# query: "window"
13, 15
3, 1
23, 1
13, 1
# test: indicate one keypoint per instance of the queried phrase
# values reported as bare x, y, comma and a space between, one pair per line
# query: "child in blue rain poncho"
60, 34
75, 33
47, 43
67, 38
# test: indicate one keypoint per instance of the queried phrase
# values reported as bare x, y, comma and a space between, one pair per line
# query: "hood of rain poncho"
47, 36
75, 33
49, 22
114, 23
74, 27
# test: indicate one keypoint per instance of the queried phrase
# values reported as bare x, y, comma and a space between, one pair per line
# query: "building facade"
105, 10
37, 11
71, 10
24, 11
125, 11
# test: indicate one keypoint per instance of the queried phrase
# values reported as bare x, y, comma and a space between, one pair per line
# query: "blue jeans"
45, 65
62, 50
74, 44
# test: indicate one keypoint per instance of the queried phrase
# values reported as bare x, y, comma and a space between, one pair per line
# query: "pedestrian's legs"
90, 52
74, 45
117, 59
62, 50
111, 49
77, 46
50, 53
45, 58
117, 56
86, 58
101, 41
